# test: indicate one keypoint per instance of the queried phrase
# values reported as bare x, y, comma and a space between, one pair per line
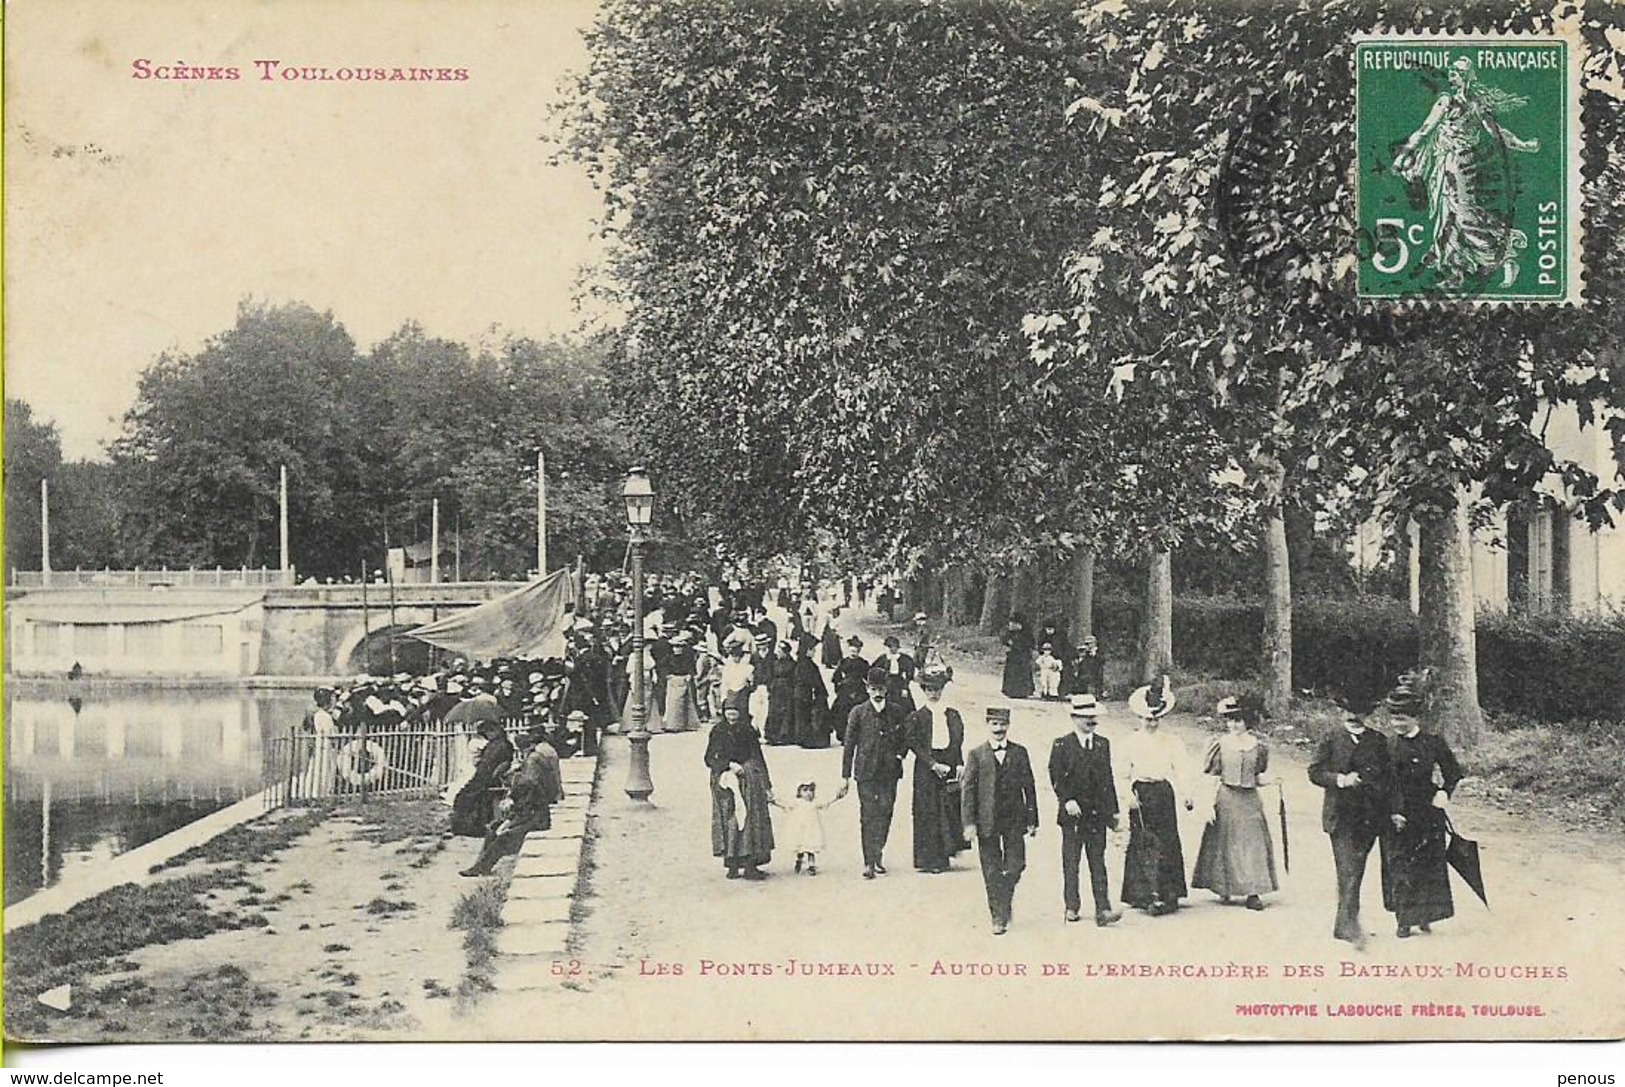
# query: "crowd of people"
763, 665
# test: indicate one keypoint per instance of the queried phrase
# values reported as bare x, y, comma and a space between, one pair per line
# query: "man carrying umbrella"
1415, 869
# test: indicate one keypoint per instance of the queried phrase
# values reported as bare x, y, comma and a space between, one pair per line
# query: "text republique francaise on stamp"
1468, 168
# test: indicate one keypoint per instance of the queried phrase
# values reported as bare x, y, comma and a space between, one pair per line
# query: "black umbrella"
1462, 854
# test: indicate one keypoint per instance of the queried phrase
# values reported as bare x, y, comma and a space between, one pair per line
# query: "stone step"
515, 945
531, 911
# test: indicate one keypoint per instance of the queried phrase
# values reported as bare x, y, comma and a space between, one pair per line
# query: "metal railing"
242, 577
301, 768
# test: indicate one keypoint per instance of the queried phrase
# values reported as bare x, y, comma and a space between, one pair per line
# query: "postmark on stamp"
1468, 160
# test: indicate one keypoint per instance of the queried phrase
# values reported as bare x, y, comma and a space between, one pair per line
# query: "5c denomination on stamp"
1469, 160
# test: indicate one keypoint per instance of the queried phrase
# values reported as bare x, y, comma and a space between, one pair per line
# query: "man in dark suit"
874, 755
1352, 765
1080, 769
998, 804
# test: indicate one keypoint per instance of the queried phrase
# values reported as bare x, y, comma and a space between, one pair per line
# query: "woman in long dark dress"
936, 735
781, 687
1415, 871
848, 681
1153, 765
741, 795
809, 702
474, 806
1018, 661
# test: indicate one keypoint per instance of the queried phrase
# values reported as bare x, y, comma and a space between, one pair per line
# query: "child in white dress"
805, 826
1047, 669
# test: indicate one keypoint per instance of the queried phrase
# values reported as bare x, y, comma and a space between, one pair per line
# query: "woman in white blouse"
1152, 765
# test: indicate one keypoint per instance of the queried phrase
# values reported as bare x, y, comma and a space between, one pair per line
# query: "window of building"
47, 639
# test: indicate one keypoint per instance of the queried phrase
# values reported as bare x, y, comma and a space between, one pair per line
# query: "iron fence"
301, 768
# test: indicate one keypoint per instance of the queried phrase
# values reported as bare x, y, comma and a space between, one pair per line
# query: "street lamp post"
640, 499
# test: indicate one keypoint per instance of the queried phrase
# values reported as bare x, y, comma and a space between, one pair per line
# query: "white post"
434, 542
541, 514
45, 532
282, 498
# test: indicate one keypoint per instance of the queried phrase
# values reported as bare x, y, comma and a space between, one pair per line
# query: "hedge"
1551, 668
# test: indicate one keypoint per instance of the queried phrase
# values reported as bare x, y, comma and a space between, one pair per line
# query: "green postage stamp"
1469, 158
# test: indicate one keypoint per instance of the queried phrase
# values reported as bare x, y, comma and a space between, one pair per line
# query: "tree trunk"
1080, 614
1277, 662
1448, 645
955, 596
995, 603
1157, 627
1022, 591
914, 595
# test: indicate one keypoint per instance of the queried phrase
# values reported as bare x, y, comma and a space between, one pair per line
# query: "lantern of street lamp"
639, 496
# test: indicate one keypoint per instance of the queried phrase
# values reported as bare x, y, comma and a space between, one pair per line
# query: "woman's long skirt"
811, 719
1154, 868
1237, 856
781, 721
651, 709
1018, 674
738, 846
937, 833
682, 712
1415, 873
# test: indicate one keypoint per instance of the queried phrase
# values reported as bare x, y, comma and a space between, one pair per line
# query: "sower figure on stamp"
1415, 870
998, 803
1080, 770
874, 755
1352, 765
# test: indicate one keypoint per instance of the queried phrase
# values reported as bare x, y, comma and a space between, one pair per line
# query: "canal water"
95, 771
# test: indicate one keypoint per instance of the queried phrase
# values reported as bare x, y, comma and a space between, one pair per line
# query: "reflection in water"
96, 772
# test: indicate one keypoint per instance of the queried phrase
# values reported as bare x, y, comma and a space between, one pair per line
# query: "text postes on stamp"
1468, 160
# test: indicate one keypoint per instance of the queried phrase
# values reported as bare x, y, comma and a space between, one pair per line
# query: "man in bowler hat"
874, 751
998, 804
1351, 764
1080, 769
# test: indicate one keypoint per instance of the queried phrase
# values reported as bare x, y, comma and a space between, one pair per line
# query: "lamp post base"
639, 785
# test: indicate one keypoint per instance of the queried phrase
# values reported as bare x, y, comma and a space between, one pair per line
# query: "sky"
141, 212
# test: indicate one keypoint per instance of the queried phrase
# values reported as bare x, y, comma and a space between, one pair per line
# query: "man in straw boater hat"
998, 804
1080, 769
1415, 869
1155, 768
874, 755
1352, 765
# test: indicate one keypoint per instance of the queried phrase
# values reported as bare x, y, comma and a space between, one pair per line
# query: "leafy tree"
33, 453
829, 220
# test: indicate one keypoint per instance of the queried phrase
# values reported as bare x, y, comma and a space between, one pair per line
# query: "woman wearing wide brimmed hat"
1152, 764
936, 734
1237, 857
